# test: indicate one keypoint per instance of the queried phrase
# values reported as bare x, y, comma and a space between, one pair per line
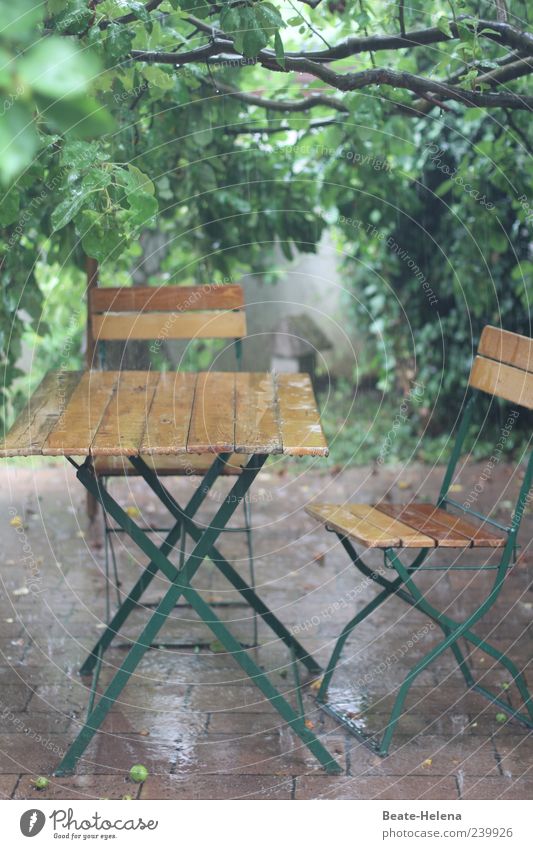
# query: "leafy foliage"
101, 141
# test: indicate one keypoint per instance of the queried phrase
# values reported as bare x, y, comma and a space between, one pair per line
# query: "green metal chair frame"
505, 370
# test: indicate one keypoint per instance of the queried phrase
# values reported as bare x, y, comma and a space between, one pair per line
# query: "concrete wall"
311, 284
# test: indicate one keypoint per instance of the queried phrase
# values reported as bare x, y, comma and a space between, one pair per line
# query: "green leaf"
158, 77
230, 20
56, 68
280, 52
96, 179
118, 41
133, 180
139, 10
67, 209
74, 18
143, 207
9, 207
79, 154
199, 8
443, 24
268, 17
254, 38
81, 117
101, 239
465, 32
18, 141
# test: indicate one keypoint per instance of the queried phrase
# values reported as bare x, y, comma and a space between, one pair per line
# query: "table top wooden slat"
113, 414
75, 430
212, 428
301, 432
40, 414
256, 419
170, 414
124, 422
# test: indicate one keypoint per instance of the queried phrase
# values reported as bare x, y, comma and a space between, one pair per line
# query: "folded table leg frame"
179, 578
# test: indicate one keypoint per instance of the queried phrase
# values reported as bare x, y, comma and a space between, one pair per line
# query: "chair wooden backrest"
504, 366
214, 311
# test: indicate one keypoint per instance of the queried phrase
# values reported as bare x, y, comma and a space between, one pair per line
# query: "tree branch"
318, 123
401, 17
302, 105
351, 81
502, 33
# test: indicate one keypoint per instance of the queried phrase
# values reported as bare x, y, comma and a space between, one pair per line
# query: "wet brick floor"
203, 730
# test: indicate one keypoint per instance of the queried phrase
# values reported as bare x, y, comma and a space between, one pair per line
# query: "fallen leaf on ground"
133, 512
427, 762
16, 522
456, 487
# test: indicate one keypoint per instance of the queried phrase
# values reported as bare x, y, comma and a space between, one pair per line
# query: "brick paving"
189, 715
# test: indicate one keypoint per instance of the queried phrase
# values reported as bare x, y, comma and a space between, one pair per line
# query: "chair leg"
452, 631
345, 633
92, 507
395, 587
247, 510
413, 673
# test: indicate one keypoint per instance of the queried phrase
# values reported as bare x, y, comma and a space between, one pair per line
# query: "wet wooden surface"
120, 414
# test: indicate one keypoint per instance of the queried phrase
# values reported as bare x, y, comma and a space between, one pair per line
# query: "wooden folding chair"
502, 368
156, 315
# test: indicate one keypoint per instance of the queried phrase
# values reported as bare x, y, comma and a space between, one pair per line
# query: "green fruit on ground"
138, 773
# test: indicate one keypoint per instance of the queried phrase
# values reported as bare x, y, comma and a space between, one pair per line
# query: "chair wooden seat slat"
403, 526
448, 530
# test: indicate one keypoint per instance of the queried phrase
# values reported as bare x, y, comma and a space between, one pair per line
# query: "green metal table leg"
86, 476
130, 602
261, 680
227, 570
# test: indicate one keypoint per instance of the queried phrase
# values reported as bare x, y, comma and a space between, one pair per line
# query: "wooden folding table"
138, 415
